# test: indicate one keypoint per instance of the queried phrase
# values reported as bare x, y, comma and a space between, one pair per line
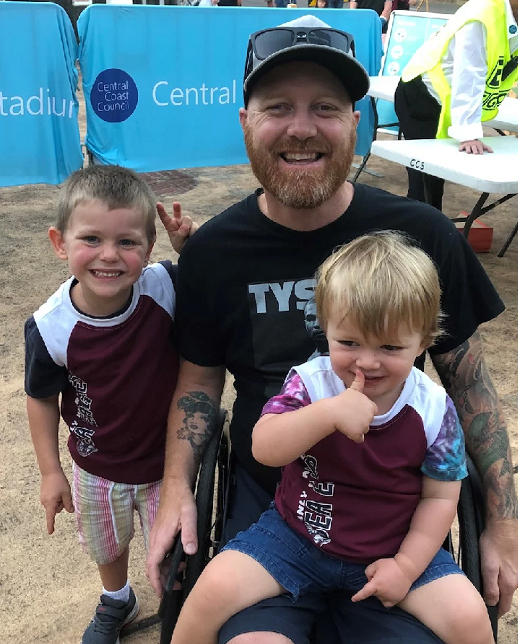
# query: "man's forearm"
185, 447
193, 418
465, 376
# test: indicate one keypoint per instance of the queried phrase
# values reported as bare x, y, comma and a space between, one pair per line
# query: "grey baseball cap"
318, 50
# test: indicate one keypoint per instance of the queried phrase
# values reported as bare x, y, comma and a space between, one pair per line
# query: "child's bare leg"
453, 609
231, 582
115, 574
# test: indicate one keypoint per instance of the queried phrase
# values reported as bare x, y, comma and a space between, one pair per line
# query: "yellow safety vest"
427, 59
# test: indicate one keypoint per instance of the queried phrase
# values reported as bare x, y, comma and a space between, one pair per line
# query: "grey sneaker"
110, 616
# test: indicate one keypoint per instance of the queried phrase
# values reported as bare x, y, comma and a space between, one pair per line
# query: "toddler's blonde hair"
384, 284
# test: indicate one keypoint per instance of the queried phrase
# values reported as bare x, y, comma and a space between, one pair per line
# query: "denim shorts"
315, 618
300, 567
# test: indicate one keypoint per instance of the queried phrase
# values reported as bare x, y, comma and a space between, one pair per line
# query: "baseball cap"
306, 39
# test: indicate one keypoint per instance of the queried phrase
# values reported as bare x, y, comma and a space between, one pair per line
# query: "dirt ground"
47, 586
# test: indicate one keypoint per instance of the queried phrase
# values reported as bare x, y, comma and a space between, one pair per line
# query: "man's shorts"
317, 618
299, 566
105, 512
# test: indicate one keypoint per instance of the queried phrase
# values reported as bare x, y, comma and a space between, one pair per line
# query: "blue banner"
163, 84
408, 30
39, 131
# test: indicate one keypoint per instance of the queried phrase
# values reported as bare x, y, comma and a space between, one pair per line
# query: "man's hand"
178, 227
177, 514
55, 496
355, 410
474, 147
499, 562
386, 581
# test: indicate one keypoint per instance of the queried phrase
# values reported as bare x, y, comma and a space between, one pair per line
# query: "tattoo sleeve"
465, 377
199, 423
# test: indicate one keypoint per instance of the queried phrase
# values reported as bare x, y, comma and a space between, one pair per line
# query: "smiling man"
244, 282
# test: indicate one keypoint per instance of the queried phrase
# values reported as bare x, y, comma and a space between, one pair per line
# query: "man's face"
300, 134
514, 7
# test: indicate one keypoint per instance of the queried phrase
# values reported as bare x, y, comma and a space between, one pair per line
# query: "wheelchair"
212, 489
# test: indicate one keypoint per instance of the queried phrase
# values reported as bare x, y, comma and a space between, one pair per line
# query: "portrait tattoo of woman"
200, 413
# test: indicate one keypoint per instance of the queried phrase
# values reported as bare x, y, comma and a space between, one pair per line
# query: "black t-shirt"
375, 5
244, 281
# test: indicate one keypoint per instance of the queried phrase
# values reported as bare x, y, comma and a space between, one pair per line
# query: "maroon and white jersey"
356, 500
116, 376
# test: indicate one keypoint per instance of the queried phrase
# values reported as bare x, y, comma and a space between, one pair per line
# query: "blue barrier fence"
162, 84
39, 131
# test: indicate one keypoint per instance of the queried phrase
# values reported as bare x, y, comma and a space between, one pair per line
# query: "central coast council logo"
114, 95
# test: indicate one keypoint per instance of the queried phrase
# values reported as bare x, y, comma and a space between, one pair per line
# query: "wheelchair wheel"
468, 536
223, 487
171, 603
205, 496
471, 515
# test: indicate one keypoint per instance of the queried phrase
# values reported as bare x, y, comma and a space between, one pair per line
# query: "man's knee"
260, 638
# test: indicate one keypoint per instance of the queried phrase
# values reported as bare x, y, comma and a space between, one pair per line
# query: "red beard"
299, 187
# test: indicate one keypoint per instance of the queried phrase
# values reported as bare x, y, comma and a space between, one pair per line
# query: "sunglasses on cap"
269, 41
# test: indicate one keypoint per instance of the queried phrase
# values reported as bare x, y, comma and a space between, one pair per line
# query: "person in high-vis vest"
457, 80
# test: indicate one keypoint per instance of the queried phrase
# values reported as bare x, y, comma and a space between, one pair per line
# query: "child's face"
321, 4
106, 251
385, 366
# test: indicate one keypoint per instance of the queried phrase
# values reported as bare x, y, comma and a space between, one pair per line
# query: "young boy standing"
101, 350
373, 456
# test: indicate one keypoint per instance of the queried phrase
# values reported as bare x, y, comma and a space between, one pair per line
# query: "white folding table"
383, 87
488, 173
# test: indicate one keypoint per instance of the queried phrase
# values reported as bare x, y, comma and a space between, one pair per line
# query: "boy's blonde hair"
383, 283
115, 186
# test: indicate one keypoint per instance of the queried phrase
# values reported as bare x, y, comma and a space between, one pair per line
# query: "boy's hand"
356, 416
54, 496
178, 227
386, 581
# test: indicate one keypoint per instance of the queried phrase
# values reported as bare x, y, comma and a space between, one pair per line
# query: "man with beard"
244, 281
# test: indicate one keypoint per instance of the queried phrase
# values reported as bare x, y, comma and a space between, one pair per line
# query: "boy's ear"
149, 253
58, 242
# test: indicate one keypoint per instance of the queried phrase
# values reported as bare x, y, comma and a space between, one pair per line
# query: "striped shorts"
105, 512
